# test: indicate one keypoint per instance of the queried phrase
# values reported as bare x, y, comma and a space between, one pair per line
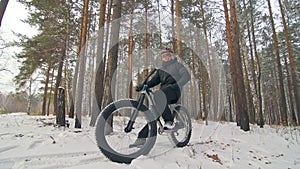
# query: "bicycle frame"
146, 93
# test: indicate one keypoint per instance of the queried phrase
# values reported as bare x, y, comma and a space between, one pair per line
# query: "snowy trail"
60, 160
33, 142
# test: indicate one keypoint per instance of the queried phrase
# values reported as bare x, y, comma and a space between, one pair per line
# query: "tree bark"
146, 71
178, 30
292, 63
248, 90
214, 103
51, 88
236, 67
258, 91
229, 43
130, 50
237, 74
82, 61
173, 26
109, 89
46, 91
59, 78
282, 99
193, 81
100, 66
61, 114
251, 108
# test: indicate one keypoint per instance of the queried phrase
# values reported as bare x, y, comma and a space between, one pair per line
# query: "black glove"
139, 87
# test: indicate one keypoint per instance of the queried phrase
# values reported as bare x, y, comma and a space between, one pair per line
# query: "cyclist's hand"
138, 88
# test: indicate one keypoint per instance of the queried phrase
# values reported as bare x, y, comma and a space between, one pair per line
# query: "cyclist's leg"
160, 100
172, 98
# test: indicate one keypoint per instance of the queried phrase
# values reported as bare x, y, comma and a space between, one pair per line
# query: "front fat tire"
100, 132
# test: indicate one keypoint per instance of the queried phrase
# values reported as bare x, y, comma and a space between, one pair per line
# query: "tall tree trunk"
59, 79
91, 80
104, 68
74, 88
146, 71
173, 26
61, 114
248, 90
290, 93
203, 89
229, 43
275, 101
198, 78
29, 99
292, 63
236, 67
237, 74
193, 81
282, 99
139, 80
230, 107
258, 92
100, 66
46, 91
178, 20
214, 104
193, 85
159, 21
130, 50
67, 44
251, 108
202, 79
51, 89
3, 5
112, 56
82, 56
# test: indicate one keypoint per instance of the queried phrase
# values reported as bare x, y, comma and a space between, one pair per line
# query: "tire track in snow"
3, 149
49, 161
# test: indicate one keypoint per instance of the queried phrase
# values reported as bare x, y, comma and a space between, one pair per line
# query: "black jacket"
172, 74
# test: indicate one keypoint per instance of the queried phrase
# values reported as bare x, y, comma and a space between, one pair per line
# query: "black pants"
162, 98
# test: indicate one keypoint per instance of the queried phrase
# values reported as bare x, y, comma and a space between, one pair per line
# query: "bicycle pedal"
164, 132
167, 131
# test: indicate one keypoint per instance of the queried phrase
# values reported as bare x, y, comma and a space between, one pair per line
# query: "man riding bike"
172, 76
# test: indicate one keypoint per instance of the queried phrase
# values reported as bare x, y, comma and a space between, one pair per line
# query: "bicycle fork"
133, 116
153, 109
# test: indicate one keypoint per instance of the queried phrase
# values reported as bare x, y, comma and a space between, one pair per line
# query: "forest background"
243, 56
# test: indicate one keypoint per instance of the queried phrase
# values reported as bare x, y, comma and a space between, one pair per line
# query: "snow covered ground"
33, 142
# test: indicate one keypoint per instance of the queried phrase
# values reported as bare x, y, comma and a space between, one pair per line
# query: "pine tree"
113, 54
100, 64
82, 47
282, 99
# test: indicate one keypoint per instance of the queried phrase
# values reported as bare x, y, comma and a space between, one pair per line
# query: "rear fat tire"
172, 137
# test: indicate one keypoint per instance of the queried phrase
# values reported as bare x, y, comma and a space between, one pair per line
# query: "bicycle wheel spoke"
119, 140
